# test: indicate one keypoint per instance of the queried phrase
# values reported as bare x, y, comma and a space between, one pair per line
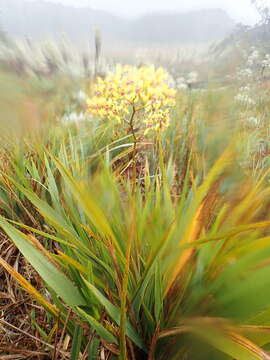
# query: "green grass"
175, 267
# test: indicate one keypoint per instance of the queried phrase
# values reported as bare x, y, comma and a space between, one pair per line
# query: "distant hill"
43, 19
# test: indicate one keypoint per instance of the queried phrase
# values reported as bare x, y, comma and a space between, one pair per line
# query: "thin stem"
131, 125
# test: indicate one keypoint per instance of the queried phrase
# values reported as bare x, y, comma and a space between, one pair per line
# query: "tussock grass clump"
171, 262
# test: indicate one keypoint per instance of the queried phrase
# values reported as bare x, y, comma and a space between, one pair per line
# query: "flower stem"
135, 140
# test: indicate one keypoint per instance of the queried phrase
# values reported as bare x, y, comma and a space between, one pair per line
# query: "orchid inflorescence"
134, 94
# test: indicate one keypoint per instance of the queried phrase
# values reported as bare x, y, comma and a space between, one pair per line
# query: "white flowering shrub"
250, 75
253, 99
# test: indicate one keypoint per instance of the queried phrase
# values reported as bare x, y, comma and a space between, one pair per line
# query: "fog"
239, 10
157, 24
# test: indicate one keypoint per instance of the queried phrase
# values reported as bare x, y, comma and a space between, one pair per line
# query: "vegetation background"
122, 243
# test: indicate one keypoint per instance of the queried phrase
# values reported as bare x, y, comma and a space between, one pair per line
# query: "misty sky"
240, 10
